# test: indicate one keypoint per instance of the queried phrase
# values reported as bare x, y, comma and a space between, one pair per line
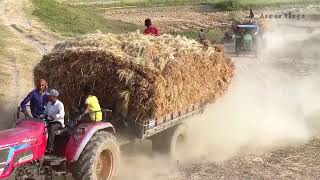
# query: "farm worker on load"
202, 36
152, 30
54, 113
92, 105
37, 98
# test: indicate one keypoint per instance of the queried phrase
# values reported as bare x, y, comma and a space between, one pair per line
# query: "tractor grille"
4, 155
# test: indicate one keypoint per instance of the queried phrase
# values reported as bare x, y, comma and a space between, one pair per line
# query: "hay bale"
219, 48
138, 76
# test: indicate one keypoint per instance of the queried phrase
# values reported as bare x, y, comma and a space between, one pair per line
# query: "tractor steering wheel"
47, 118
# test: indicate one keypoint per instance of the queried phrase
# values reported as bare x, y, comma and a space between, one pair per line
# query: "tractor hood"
27, 131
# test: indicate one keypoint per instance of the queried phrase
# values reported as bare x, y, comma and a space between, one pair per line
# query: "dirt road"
23, 41
14, 14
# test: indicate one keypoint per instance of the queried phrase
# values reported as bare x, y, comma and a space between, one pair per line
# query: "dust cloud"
273, 102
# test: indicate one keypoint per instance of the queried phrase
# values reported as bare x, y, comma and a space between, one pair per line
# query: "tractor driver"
54, 113
37, 98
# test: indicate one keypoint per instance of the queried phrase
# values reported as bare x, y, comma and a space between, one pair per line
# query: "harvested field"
296, 162
175, 19
138, 76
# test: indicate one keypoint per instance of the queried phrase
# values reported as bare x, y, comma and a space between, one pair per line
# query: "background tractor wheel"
171, 141
100, 158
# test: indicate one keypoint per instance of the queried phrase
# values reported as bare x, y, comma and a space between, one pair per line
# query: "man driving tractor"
37, 98
54, 114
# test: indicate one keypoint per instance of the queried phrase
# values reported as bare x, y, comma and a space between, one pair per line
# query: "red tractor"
87, 150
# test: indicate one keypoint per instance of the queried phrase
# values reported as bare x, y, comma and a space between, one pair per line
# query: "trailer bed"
140, 131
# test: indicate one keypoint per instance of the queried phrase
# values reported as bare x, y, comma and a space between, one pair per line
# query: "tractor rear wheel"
100, 158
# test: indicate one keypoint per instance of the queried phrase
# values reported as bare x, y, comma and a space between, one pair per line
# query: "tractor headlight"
3, 158
4, 155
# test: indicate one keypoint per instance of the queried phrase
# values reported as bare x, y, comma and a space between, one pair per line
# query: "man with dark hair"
91, 104
37, 98
251, 15
152, 30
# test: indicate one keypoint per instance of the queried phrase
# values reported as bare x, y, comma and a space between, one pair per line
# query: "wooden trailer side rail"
154, 126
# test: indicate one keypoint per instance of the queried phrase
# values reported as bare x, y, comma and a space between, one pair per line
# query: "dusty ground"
267, 126
250, 117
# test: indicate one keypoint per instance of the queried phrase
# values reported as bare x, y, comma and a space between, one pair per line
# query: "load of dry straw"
139, 77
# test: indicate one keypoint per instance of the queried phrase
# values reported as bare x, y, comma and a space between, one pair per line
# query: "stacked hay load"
140, 77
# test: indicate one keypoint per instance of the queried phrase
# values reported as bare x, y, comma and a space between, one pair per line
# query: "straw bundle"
138, 76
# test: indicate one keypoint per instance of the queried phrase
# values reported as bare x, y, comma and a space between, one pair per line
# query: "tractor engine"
22, 145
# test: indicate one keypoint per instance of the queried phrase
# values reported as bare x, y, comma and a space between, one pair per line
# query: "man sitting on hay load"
151, 29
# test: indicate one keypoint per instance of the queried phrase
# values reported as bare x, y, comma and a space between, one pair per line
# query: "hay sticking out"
145, 76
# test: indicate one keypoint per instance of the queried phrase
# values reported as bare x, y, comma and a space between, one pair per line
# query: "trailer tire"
237, 47
170, 141
103, 151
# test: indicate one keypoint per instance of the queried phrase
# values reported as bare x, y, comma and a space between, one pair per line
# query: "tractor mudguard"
81, 135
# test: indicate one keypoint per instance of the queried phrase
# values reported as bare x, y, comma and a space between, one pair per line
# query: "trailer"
164, 132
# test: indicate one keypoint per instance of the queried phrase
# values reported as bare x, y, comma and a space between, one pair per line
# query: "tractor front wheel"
100, 158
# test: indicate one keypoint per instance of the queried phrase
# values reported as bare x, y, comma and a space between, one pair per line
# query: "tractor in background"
246, 39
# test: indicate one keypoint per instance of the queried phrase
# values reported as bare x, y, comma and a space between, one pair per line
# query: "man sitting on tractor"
37, 98
91, 105
54, 114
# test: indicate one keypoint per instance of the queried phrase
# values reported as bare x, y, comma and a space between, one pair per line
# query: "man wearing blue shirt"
37, 98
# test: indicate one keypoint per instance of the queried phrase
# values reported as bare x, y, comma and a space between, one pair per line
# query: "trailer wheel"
237, 47
100, 158
171, 141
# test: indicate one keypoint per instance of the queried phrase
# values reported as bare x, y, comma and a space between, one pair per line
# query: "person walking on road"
202, 36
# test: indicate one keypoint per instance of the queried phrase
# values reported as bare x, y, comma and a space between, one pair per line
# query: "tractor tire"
170, 142
100, 158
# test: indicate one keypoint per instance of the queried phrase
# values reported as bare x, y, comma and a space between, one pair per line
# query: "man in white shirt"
54, 113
